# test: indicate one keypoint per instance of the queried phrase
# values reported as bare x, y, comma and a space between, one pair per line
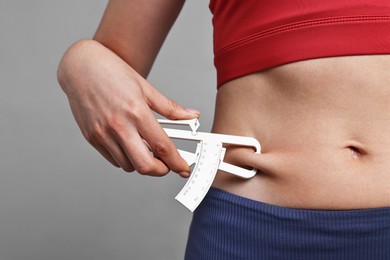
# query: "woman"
309, 79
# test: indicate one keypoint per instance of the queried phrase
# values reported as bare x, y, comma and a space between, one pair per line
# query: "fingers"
129, 146
162, 147
165, 106
141, 158
118, 155
106, 154
112, 152
121, 140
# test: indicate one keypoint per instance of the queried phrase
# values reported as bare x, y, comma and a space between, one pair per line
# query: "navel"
356, 149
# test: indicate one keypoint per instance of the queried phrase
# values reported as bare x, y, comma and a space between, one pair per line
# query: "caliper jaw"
192, 123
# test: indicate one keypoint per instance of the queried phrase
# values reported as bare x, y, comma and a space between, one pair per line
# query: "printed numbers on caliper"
202, 176
208, 158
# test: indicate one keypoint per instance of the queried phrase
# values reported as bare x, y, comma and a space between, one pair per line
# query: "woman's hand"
113, 106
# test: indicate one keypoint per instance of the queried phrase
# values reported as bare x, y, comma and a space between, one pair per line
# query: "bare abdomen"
324, 127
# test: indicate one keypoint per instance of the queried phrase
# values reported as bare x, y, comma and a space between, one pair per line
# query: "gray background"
59, 199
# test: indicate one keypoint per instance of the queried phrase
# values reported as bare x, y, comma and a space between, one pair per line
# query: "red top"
253, 35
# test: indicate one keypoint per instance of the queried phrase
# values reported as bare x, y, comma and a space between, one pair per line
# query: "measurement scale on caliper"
207, 159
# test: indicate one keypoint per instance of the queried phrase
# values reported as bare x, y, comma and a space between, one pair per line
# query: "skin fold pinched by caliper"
207, 159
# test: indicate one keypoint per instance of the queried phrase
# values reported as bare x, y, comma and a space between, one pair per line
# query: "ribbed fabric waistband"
227, 226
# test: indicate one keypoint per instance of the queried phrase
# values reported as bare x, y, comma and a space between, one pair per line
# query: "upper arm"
136, 29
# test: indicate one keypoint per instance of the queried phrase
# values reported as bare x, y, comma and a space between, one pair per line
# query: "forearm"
135, 30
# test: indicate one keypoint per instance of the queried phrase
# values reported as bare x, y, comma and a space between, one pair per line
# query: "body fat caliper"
207, 159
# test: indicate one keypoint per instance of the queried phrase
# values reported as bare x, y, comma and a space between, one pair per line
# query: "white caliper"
208, 158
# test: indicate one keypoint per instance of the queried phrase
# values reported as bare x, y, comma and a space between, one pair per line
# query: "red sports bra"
253, 35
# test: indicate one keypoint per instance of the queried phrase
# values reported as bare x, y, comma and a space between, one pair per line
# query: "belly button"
356, 152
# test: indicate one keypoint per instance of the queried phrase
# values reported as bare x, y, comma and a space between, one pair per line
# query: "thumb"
165, 106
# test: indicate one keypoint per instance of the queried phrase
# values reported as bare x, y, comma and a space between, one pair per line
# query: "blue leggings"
229, 227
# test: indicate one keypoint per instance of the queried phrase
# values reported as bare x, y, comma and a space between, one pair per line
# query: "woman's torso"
324, 128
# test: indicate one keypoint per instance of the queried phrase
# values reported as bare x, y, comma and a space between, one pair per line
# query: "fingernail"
193, 111
184, 174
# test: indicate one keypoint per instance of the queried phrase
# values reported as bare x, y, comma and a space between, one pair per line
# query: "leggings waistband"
227, 226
